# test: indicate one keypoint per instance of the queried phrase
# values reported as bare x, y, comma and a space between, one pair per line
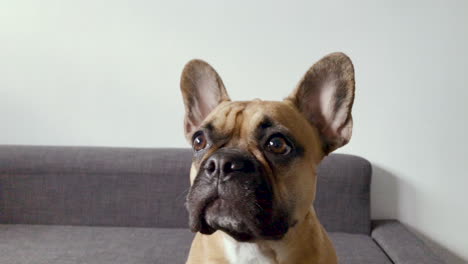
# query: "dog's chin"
219, 215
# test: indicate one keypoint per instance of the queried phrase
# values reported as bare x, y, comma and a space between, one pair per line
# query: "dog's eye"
278, 145
199, 142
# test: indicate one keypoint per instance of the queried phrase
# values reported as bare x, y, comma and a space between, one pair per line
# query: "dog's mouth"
218, 214
243, 218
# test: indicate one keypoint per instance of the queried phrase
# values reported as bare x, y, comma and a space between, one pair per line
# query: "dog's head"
253, 172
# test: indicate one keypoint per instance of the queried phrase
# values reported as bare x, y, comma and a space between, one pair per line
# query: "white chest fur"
245, 253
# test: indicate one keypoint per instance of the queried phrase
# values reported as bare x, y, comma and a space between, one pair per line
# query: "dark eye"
199, 142
278, 145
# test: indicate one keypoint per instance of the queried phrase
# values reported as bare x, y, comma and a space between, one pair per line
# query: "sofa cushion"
40, 244
400, 244
357, 249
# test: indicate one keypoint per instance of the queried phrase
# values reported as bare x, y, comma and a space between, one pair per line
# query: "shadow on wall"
387, 203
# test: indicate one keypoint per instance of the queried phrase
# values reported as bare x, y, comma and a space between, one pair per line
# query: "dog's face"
253, 172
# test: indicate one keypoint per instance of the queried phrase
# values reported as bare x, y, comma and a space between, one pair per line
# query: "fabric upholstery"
52, 244
357, 249
94, 186
146, 187
402, 246
136, 188
343, 194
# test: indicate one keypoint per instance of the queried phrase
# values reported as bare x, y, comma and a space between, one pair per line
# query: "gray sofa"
61, 205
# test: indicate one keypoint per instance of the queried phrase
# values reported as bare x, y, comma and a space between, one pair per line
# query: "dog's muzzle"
232, 193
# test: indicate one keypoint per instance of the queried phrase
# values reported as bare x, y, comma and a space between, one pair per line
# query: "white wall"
107, 73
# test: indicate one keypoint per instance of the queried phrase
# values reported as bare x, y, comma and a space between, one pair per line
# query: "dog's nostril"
231, 166
211, 166
227, 167
236, 166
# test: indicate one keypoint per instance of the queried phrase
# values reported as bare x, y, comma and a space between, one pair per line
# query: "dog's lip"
201, 225
210, 203
198, 222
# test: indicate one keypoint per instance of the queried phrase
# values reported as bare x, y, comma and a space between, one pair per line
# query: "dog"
253, 176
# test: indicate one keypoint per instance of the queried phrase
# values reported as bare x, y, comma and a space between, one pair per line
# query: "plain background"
107, 73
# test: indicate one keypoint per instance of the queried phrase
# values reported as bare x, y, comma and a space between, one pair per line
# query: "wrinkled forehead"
246, 120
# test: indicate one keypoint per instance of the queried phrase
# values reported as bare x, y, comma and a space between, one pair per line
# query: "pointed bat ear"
325, 97
202, 90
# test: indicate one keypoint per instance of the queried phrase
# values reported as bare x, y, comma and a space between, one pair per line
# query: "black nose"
226, 163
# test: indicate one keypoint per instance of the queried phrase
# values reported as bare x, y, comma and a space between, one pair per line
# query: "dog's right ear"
325, 97
202, 90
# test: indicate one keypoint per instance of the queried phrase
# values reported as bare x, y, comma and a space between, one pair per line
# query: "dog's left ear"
202, 90
325, 97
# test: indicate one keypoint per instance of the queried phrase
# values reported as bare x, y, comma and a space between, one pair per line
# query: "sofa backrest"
343, 194
145, 187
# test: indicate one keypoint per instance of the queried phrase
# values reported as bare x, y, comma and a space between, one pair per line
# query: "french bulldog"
253, 176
